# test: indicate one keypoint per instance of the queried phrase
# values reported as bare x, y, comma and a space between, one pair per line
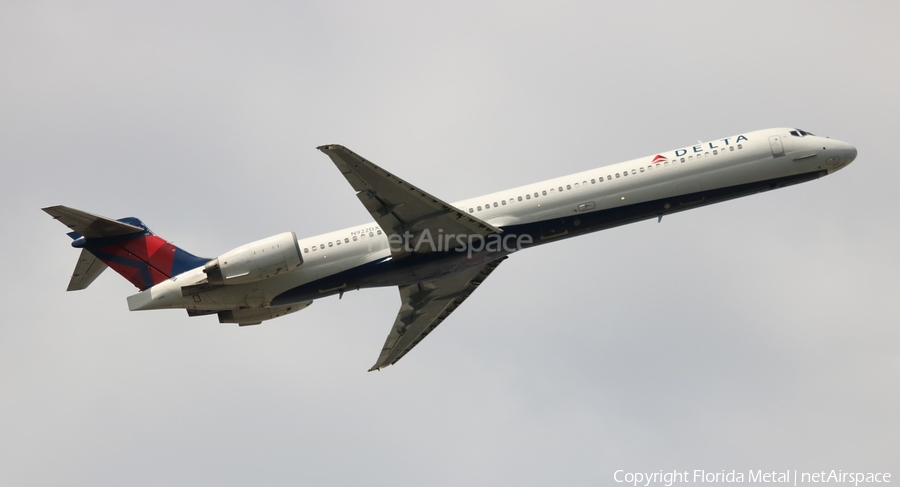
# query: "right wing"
399, 207
424, 306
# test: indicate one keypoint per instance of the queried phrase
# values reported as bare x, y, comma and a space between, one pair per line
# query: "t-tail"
126, 245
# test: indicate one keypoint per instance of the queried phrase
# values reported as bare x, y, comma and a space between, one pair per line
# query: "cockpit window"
800, 133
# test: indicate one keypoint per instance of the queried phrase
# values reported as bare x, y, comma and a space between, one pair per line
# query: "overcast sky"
760, 333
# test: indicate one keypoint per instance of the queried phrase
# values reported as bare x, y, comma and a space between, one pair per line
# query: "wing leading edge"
424, 306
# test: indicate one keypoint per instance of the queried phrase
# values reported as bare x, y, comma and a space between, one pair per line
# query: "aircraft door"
776, 146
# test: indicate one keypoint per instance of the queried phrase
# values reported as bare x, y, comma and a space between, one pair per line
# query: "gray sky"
755, 334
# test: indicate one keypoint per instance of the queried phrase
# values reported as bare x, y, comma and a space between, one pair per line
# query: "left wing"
424, 306
399, 207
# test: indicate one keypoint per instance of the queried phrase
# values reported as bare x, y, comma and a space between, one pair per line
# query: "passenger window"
346, 240
642, 169
569, 186
731, 148
371, 234
331, 244
633, 171
354, 238
306, 250
338, 242
378, 232
471, 210
503, 202
576, 185
560, 189
715, 152
593, 181
479, 208
682, 159
740, 146
609, 178
544, 192
624, 173
535, 195
617, 176
666, 163
519, 198
706, 154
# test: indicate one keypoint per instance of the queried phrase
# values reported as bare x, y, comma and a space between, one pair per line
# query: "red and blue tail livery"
125, 245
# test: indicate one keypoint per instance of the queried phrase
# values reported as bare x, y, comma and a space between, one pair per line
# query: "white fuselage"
579, 203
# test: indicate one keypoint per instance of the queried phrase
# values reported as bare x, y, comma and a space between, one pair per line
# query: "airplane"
436, 253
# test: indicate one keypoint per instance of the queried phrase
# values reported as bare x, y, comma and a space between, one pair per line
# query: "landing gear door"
776, 146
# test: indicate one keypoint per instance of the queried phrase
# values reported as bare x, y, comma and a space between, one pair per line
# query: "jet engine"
255, 261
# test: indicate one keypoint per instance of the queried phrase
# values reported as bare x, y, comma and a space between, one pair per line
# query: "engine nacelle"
255, 261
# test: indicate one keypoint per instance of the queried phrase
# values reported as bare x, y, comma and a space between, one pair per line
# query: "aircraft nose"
849, 153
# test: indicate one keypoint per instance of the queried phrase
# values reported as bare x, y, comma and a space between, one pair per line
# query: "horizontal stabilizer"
86, 270
89, 225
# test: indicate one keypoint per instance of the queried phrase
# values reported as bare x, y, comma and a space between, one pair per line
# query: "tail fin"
125, 245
